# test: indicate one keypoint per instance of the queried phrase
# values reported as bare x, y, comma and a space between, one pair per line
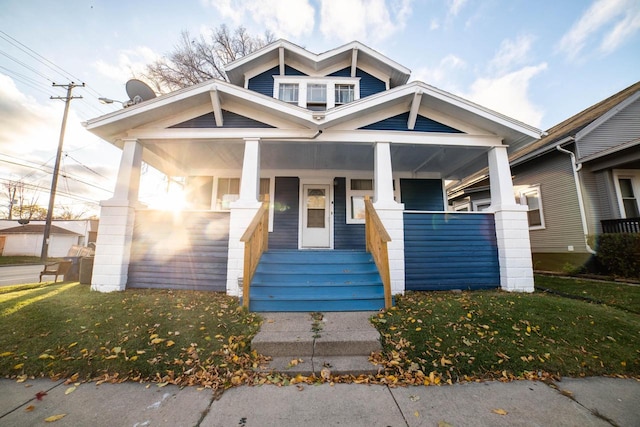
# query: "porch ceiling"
181, 158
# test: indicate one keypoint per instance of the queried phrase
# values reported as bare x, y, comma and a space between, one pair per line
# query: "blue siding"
346, 236
285, 214
230, 120
444, 251
399, 122
263, 82
369, 84
422, 194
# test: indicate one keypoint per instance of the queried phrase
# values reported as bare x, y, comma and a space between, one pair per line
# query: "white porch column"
512, 226
115, 230
390, 213
243, 211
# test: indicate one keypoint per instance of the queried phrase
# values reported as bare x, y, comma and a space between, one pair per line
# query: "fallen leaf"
29, 408
444, 424
18, 366
170, 343
499, 411
6, 353
70, 390
55, 418
416, 414
40, 395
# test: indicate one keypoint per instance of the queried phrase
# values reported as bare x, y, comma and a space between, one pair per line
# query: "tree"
194, 60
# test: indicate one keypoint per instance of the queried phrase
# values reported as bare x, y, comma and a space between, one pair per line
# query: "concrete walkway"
575, 402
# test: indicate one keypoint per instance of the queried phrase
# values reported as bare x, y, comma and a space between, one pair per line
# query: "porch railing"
376, 239
256, 241
625, 225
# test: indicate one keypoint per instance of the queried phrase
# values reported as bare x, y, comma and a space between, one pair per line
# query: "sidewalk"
583, 402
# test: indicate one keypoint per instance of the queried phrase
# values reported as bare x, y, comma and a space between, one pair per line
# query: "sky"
536, 61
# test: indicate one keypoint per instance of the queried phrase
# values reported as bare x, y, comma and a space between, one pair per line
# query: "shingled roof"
36, 229
574, 124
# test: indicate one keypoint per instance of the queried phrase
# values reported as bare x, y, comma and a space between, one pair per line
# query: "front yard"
200, 338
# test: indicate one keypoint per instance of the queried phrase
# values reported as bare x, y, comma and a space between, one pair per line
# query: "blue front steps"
316, 281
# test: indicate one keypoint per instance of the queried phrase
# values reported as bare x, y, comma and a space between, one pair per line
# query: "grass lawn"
18, 260
614, 294
493, 334
183, 337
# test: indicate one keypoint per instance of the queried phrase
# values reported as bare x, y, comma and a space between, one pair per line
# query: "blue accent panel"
285, 214
230, 120
399, 122
316, 281
369, 84
345, 236
263, 82
444, 251
422, 194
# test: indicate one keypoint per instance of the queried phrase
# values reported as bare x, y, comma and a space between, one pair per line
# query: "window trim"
477, 203
350, 193
632, 174
533, 189
330, 82
214, 195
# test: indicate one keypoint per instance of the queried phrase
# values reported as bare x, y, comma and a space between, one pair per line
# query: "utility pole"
54, 182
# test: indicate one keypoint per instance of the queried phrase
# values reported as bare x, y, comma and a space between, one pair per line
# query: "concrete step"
301, 343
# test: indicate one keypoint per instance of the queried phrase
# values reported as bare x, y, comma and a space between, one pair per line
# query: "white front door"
316, 216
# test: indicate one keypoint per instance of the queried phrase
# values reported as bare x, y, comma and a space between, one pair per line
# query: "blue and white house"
313, 134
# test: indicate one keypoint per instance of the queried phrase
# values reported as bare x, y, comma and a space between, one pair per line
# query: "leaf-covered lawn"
492, 334
614, 294
183, 337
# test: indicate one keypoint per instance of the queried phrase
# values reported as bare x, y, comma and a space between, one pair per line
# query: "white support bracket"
217, 108
413, 112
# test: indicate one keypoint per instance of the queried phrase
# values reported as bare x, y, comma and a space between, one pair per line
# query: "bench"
56, 269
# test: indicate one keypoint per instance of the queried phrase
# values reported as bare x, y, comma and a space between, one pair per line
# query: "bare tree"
194, 60
66, 212
12, 189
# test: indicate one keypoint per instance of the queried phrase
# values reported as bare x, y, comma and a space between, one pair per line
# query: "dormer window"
316, 93
344, 93
288, 93
316, 97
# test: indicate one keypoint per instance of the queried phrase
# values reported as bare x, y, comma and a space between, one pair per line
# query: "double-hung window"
357, 189
228, 191
627, 183
344, 93
288, 92
531, 198
316, 97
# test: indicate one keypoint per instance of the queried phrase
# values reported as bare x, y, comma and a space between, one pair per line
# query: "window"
344, 93
317, 97
481, 205
627, 190
288, 92
228, 191
531, 198
357, 189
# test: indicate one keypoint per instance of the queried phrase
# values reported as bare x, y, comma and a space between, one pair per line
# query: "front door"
316, 216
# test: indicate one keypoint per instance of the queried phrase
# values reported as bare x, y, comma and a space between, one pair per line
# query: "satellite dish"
138, 91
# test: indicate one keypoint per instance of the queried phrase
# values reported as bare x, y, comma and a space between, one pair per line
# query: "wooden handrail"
256, 241
376, 239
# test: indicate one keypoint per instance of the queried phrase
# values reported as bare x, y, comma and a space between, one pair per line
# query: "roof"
326, 61
574, 124
37, 229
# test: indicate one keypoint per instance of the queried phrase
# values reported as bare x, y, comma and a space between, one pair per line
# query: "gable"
399, 122
263, 82
230, 120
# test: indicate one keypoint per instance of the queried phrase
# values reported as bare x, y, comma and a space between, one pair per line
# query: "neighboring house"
316, 133
26, 240
580, 180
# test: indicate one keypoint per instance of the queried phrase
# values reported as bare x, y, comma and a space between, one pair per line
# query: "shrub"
619, 254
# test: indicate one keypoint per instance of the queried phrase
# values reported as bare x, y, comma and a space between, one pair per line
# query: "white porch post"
115, 230
512, 226
390, 213
242, 212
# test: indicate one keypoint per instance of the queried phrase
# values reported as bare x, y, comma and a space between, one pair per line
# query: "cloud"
285, 18
607, 22
511, 53
363, 20
131, 63
508, 94
455, 6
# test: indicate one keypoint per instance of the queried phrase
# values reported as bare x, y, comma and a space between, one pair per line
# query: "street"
20, 274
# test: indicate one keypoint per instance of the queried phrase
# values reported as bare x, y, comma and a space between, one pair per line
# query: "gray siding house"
580, 180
